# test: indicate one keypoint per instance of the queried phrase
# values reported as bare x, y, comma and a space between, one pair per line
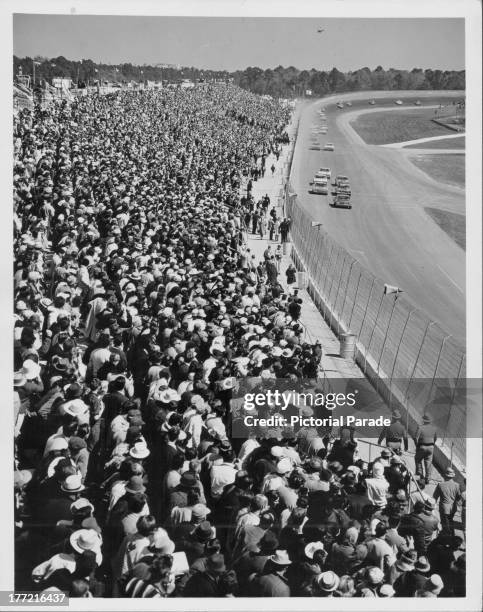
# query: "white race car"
319, 185
324, 172
329, 147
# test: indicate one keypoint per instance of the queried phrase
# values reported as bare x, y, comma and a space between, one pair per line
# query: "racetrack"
388, 229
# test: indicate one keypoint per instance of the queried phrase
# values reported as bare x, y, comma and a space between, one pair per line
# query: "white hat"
280, 558
434, 584
85, 539
31, 369
386, 590
328, 581
161, 541
284, 466
167, 395
139, 450
58, 444
276, 451
312, 548
19, 379
52, 465
81, 503
375, 575
72, 484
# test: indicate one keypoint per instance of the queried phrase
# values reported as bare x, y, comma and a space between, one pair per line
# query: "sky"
236, 43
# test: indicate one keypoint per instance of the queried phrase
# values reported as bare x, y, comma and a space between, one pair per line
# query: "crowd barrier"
413, 363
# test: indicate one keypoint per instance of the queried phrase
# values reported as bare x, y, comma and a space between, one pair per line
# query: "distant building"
61, 83
172, 66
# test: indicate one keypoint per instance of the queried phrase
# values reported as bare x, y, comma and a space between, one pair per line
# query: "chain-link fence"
397, 345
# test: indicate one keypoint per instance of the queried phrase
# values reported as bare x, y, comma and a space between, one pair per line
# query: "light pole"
34, 63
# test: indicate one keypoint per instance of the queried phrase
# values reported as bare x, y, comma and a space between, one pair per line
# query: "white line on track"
450, 279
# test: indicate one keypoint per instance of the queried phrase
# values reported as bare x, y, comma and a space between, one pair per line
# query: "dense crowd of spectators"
138, 307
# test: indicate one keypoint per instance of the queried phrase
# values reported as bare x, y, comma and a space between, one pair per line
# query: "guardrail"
397, 345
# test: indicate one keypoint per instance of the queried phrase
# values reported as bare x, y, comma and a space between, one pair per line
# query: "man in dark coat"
253, 561
228, 505
272, 582
206, 584
395, 434
412, 525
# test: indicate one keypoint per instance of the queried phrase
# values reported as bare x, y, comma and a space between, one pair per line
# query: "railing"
409, 358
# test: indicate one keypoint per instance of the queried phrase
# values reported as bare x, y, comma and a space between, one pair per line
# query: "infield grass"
448, 169
452, 223
386, 128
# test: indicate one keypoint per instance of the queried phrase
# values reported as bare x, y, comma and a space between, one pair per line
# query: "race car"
372, 102
398, 102
348, 103
342, 190
340, 105
340, 178
324, 172
329, 147
319, 185
341, 201
417, 103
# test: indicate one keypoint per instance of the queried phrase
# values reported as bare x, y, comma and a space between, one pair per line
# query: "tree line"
278, 82
291, 82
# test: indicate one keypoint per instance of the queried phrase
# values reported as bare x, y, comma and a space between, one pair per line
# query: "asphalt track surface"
387, 230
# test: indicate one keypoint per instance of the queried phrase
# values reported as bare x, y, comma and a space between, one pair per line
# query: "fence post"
319, 260
437, 365
405, 401
373, 330
385, 340
397, 353
345, 292
327, 269
453, 396
367, 306
313, 254
355, 299
337, 295
333, 277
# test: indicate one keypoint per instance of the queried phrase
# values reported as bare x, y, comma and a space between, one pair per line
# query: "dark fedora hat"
269, 543
204, 531
188, 480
